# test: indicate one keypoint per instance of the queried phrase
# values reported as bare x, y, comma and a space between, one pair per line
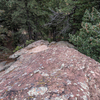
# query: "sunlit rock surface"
46, 71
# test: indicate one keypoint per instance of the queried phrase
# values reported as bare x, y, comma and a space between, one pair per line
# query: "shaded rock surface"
4, 65
50, 72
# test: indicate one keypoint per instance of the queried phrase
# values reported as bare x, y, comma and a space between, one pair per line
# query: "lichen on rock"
50, 72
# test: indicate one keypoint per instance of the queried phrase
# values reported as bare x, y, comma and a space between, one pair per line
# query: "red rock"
54, 72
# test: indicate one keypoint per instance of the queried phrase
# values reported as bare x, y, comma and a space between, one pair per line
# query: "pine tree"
59, 23
25, 14
67, 16
88, 39
79, 7
30, 12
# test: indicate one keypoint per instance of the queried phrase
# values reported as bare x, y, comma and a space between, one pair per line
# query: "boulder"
65, 43
4, 66
29, 48
51, 72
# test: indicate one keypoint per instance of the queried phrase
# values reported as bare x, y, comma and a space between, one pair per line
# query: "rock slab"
54, 72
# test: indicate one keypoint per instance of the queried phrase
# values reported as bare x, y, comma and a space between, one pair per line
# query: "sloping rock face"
50, 72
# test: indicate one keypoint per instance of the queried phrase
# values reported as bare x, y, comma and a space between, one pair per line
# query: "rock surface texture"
46, 71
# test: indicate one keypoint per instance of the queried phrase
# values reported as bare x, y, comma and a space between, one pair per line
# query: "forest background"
75, 21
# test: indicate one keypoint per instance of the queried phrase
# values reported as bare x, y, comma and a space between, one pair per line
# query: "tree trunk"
35, 36
27, 21
54, 34
29, 31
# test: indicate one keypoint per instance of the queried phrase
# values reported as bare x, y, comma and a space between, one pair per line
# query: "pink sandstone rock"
54, 72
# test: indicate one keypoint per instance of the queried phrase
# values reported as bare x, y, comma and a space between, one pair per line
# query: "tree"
24, 14
88, 39
59, 20
59, 17
28, 12
67, 16
79, 7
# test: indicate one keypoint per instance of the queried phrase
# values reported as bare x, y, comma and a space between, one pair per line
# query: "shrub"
87, 40
17, 48
28, 42
4, 50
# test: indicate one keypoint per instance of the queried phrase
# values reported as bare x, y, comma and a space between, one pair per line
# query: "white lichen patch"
75, 83
36, 71
84, 97
24, 74
77, 95
15, 99
65, 73
63, 97
31, 74
54, 71
71, 65
50, 60
44, 74
2, 81
62, 66
78, 90
9, 88
37, 91
76, 98
92, 72
87, 93
41, 67
81, 89
27, 84
1, 90
71, 95
19, 84
68, 82
95, 86
84, 86
82, 67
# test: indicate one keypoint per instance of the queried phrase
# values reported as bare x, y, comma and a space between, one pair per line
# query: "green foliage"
28, 42
16, 38
67, 16
3, 36
2, 39
43, 18
17, 48
76, 9
49, 40
88, 39
4, 50
26, 14
58, 24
